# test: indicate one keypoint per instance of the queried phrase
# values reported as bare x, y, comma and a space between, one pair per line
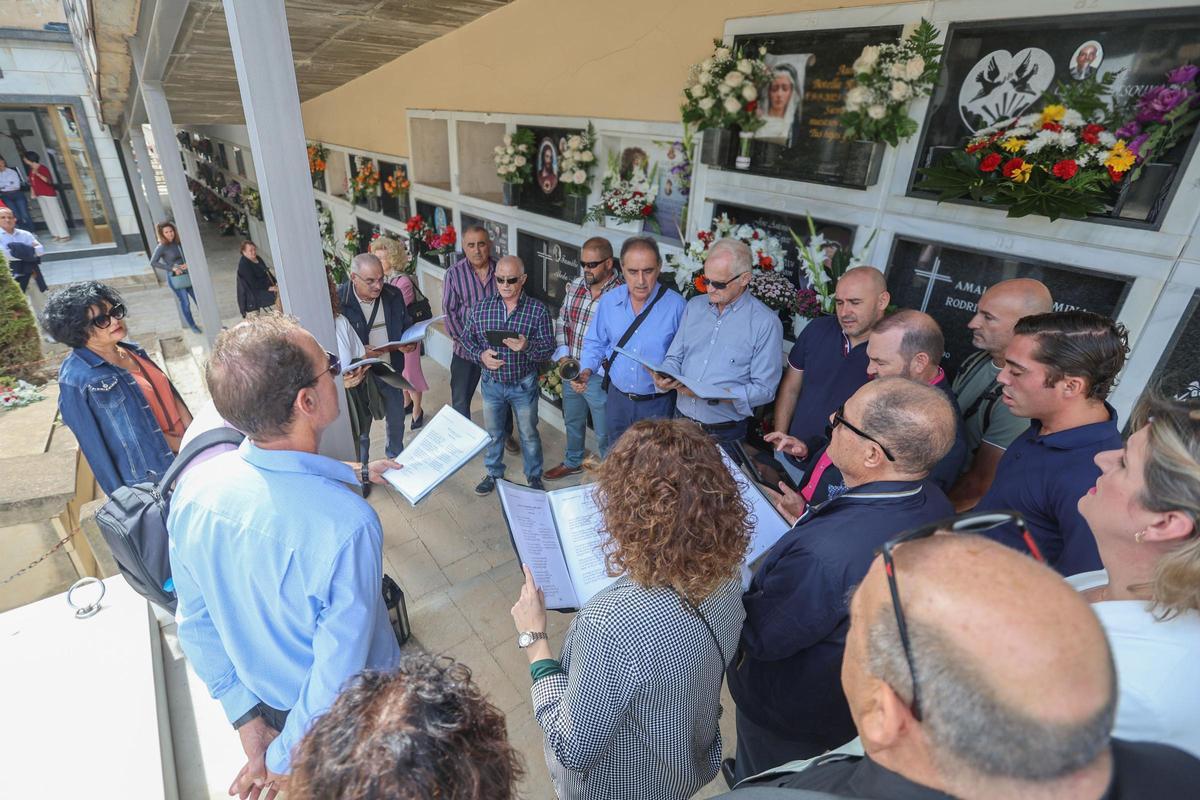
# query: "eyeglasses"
718, 285
368, 281
840, 419
102, 321
590, 265
963, 523
508, 281
334, 369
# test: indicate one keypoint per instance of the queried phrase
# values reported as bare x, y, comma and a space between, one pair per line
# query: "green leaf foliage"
20, 347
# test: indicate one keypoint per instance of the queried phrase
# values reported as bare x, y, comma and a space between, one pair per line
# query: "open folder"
447, 441
703, 390
560, 535
412, 334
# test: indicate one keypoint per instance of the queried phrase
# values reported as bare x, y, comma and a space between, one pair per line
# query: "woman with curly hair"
398, 268
424, 731
630, 708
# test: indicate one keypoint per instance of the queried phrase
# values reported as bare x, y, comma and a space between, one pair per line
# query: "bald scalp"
512, 261
1025, 296
913, 419
871, 277
922, 334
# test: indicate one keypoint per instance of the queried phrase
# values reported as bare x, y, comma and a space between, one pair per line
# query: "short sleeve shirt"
972, 388
833, 371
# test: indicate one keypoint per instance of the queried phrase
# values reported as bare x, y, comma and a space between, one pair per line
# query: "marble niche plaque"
550, 265
1178, 373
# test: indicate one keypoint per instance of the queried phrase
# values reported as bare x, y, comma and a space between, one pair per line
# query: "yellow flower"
1120, 158
1013, 144
1053, 113
1021, 173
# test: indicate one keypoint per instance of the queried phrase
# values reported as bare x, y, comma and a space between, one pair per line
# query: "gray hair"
969, 726
510, 259
364, 260
921, 334
477, 229
914, 420
739, 250
641, 243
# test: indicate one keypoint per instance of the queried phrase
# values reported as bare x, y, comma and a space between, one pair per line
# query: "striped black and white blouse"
634, 712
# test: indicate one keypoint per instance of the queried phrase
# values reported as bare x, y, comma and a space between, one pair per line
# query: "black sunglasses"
594, 264
719, 285
334, 368
971, 522
102, 321
840, 419
508, 280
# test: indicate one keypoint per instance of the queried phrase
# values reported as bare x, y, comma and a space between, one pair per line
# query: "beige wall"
31, 14
624, 59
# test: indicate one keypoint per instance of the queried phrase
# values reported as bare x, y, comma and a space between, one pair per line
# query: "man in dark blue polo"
785, 676
828, 363
1058, 370
377, 312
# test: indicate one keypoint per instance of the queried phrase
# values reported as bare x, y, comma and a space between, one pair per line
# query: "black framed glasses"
590, 265
334, 368
509, 281
104, 320
971, 522
839, 418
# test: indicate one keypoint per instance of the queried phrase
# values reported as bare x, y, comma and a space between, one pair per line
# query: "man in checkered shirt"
585, 393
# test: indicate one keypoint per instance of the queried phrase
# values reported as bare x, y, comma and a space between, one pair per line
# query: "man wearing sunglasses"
972, 671
729, 339
276, 558
784, 678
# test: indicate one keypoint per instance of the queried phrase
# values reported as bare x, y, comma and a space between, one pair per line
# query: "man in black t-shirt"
1014, 696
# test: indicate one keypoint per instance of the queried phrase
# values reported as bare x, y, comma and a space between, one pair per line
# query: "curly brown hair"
421, 732
673, 513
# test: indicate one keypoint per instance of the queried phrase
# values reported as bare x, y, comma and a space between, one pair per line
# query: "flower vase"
715, 147
445, 260
863, 159
629, 225
318, 181
373, 203
575, 208
512, 193
1142, 200
745, 140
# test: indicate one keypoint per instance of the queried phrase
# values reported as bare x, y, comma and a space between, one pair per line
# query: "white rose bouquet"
629, 199
888, 77
722, 90
575, 162
514, 157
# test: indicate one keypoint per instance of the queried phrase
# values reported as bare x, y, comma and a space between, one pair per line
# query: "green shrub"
20, 347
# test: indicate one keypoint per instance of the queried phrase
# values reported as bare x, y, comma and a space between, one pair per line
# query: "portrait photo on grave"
946, 282
658, 159
550, 265
544, 195
1178, 371
497, 232
810, 75
779, 226
994, 71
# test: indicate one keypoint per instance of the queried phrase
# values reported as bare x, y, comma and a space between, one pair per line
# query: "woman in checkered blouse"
630, 708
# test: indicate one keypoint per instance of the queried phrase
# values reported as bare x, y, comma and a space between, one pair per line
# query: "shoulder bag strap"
989, 397
625, 337
221, 435
374, 313
696, 610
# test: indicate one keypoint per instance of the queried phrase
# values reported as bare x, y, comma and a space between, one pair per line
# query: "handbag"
181, 281
419, 309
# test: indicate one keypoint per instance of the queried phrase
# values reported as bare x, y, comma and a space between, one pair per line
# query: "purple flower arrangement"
1164, 115
232, 190
808, 303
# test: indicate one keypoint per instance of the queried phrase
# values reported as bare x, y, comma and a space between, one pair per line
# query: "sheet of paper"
531, 523
581, 531
769, 526
447, 441
416, 332
703, 390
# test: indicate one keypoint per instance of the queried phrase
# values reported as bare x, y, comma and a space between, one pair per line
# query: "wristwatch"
526, 638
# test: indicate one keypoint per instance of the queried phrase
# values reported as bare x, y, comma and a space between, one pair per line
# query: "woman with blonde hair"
630, 708
399, 270
1144, 512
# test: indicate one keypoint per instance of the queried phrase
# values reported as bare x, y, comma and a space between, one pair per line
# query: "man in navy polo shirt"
785, 675
828, 363
1058, 370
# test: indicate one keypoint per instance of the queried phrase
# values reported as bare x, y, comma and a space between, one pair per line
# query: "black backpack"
134, 523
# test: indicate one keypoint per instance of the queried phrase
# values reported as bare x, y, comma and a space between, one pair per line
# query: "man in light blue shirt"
276, 558
728, 339
631, 394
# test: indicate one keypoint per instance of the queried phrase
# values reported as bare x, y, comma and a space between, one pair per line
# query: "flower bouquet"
514, 164
419, 233
365, 184
442, 243
232, 192
775, 291
626, 203
253, 202
551, 382
888, 77
396, 185
722, 94
575, 173
1164, 116
352, 240
765, 250
317, 155
17, 393
824, 261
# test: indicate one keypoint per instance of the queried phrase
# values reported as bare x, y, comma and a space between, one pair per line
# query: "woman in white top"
1144, 511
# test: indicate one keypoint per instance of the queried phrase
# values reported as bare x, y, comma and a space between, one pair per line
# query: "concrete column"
262, 54
136, 188
181, 206
137, 140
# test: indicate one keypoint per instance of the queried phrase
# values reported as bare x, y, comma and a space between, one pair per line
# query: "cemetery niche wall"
1178, 373
946, 282
550, 265
497, 233
780, 227
993, 71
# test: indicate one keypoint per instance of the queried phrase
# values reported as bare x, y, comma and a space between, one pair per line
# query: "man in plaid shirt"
584, 394
510, 371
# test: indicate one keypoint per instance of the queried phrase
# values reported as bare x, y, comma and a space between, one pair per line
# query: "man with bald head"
990, 426
1015, 688
510, 371
784, 678
828, 363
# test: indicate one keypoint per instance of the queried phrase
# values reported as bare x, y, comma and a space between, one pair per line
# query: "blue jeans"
522, 398
575, 413
19, 204
393, 404
623, 412
182, 295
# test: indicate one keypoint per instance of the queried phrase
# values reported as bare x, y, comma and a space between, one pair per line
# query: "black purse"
419, 310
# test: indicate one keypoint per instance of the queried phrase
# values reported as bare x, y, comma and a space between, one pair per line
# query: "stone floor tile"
466, 568
490, 677
437, 623
485, 607
526, 735
443, 537
413, 568
396, 528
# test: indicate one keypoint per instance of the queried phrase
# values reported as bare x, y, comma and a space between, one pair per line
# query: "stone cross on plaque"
933, 277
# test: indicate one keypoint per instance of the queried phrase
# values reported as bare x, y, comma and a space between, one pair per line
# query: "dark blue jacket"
786, 676
391, 305
109, 415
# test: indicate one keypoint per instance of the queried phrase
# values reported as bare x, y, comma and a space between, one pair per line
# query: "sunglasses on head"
509, 281
102, 321
839, 418
334, 368
971, 522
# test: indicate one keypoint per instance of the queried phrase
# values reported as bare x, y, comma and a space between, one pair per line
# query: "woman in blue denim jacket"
101, 394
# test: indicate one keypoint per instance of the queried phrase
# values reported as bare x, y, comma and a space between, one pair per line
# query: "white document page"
447, 441
533, 531
769, 525
581, 531
705, 391
416, 332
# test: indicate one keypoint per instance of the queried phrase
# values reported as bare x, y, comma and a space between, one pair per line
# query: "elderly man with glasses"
784, 679
378, 314
279, 601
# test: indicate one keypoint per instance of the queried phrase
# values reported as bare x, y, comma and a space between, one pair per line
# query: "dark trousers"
621, 412
464, 380
734, 433
393, 404
19, 204
759, 749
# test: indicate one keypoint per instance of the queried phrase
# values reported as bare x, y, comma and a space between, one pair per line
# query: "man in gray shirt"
727, 338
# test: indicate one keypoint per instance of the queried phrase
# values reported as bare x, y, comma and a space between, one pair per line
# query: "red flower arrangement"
701, 283
1065, 169
990, 162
